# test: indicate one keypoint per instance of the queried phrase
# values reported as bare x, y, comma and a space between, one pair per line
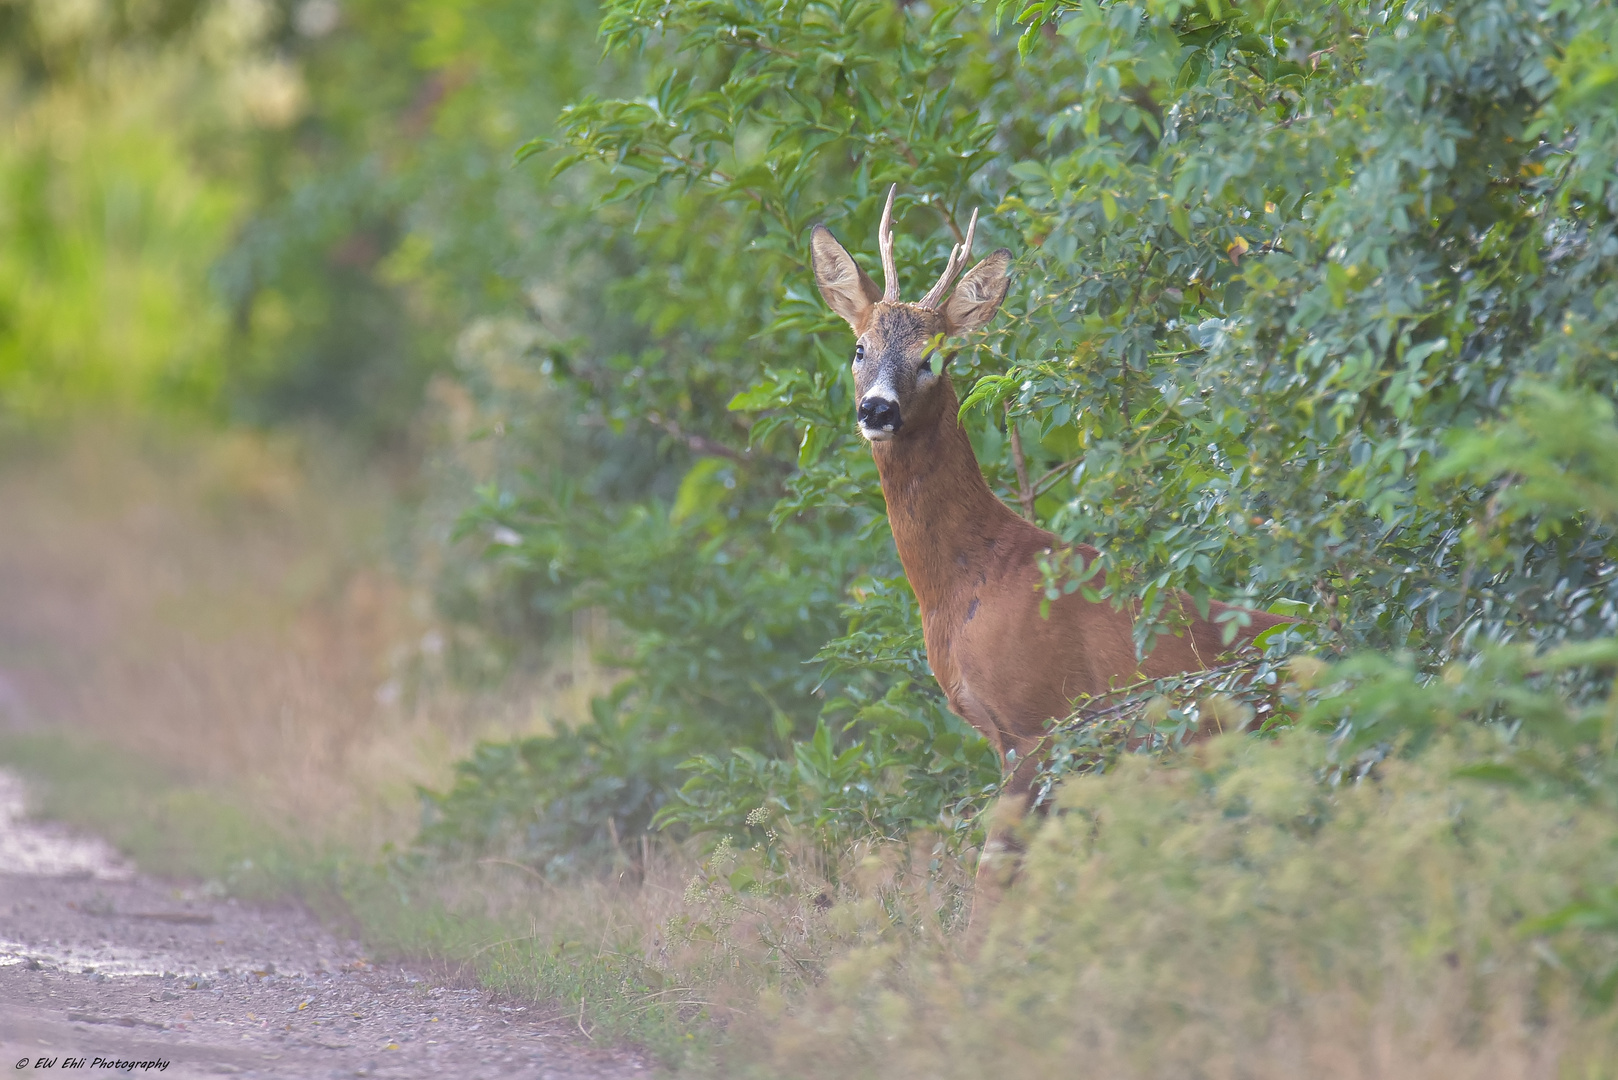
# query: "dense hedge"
1315, 306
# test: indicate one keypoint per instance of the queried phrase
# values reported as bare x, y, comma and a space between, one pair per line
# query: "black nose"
880, 414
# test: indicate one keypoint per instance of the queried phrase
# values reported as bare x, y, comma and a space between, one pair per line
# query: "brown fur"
974, 566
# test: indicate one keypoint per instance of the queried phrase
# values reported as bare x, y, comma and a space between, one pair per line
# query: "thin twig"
1089, 715
697, 444
529, 870
949, 220
688, 1001
496, 944
756, 42
1025, 491
1134, 299
1053, 475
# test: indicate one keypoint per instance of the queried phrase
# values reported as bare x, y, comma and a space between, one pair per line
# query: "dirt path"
100, 963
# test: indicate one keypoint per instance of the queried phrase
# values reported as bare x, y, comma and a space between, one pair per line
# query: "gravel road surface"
106, 972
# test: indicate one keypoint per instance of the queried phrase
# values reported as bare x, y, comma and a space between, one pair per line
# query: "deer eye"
859, 353
927, 363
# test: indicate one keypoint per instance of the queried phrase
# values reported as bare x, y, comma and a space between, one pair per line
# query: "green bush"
560, 802
1270, 260
387, 218
913, 768
1275, 265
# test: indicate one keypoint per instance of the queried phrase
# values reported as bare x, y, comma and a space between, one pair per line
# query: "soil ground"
98, 962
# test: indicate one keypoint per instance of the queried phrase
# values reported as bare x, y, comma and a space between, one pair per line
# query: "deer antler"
884, 241
958, 255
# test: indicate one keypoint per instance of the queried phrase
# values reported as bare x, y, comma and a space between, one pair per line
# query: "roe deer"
972, 562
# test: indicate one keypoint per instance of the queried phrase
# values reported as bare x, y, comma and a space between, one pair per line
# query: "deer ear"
978, 296
848, 290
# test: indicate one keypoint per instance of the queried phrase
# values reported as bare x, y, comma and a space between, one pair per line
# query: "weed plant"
1230, 913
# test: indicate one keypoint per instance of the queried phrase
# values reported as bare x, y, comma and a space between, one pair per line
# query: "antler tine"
936, 293
884, 241
959, 255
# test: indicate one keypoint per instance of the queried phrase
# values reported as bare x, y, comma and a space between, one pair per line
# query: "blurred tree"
388, 215
107, 222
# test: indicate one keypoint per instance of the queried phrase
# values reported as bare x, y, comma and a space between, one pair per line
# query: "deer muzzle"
879, 417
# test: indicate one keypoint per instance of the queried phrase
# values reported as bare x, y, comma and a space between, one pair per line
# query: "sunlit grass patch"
221, 603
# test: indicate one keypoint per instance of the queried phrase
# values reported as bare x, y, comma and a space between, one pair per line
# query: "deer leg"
1004, 845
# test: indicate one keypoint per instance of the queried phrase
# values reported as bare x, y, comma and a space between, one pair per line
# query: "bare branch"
697, 444
1046, 482
1025, 490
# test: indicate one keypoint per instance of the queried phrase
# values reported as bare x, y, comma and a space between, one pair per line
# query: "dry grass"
1220, 917
1202, 920
222, 604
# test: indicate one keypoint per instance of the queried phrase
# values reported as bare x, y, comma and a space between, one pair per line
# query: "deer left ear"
978, 296
847, 289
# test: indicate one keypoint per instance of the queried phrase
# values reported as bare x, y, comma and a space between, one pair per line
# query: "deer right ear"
848, 290
979, 294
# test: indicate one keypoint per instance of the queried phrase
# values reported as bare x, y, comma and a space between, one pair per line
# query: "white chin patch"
876, 434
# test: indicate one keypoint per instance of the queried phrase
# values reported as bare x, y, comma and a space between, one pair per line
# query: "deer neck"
946, 522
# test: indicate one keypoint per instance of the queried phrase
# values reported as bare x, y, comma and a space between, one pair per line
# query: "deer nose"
880, 414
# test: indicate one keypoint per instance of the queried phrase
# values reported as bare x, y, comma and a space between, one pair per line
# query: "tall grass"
1226, 915
226, 604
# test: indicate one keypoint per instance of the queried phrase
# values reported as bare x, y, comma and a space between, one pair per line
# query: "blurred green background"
1315, 309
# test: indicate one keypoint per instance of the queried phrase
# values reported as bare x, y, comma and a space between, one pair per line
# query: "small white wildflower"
722, 856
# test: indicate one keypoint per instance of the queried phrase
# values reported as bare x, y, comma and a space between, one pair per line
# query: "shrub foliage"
1314, 307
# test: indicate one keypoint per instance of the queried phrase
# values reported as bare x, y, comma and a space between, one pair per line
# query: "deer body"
1006, 668
973, 564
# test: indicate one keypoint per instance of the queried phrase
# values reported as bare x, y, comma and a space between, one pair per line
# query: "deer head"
896, 371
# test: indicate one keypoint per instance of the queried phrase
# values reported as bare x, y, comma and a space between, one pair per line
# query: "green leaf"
816, 437
759, 396
988, 391
1180, 218
704, 488
1493, 773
